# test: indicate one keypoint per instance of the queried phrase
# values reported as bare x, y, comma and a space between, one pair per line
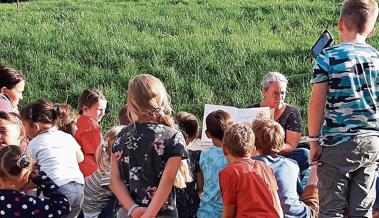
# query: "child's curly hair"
239, 140
269, 136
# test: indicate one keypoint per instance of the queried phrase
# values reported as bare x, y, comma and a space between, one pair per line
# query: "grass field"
213, 51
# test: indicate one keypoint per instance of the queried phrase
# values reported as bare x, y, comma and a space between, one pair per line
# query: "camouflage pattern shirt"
351, 108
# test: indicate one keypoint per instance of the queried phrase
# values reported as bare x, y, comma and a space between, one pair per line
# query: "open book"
240, 115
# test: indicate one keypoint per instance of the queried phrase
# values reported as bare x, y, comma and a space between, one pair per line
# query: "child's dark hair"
188, 123
41, 110
9, 77
88, 98
217, 122
269, 136
66, 117
239, 140
12, 161
123, 115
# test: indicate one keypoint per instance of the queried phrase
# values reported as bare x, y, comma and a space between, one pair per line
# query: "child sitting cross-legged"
248, 186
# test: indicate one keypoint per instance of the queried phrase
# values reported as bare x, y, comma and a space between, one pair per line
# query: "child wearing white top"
55, 151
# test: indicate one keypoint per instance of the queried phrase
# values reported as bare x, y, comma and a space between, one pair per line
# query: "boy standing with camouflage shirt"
345, 90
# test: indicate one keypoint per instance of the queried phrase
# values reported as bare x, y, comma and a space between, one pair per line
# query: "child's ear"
208, 134
340, 24
36, 126
84, 108
3, 89
224, 150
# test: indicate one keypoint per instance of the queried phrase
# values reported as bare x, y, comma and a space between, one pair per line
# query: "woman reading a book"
274, 90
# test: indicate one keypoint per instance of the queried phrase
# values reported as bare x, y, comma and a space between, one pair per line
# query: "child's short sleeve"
74, 143
178, 146
321, 68
228, 185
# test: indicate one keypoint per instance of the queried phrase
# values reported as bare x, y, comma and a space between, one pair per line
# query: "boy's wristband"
131, 209
313, 138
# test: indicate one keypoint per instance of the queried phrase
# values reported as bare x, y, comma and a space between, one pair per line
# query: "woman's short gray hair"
272, 77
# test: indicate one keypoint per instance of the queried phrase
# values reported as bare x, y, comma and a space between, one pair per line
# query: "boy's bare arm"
316, 116
200, 183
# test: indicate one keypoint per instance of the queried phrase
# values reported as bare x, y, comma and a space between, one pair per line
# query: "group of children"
55, 163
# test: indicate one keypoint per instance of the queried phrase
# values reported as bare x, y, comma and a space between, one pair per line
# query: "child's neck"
9, 184
352, 37
232, 159
217, 142
44, 127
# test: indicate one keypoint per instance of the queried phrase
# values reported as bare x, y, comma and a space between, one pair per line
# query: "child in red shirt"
92, 105
248, 186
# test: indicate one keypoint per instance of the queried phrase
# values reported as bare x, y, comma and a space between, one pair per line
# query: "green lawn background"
213, 52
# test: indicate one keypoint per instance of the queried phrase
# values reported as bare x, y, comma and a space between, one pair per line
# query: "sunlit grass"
212, 51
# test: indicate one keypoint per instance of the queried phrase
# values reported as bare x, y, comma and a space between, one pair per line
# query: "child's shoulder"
347, 48
159, 129
211, 151
86, 124
213, 156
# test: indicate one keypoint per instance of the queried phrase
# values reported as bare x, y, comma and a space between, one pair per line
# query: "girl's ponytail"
166, 120
12, 161
41, 111
183, 175
103, 154
66, 118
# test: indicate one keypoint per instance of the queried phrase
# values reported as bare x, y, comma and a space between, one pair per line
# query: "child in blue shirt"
343, 115
212, 161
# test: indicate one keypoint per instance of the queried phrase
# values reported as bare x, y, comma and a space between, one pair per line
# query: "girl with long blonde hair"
148, 153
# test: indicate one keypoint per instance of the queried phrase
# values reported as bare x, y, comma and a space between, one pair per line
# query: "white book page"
243, 115
248, 115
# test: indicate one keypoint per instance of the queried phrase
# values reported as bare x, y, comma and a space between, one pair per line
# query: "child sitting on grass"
248, 186
212, 161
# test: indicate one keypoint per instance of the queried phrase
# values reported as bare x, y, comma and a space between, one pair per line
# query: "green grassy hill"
212, 51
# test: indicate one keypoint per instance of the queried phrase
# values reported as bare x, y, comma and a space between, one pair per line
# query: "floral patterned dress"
145, 150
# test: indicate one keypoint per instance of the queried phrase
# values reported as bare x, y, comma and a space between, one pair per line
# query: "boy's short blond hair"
359, 15
269, 136
239, 140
